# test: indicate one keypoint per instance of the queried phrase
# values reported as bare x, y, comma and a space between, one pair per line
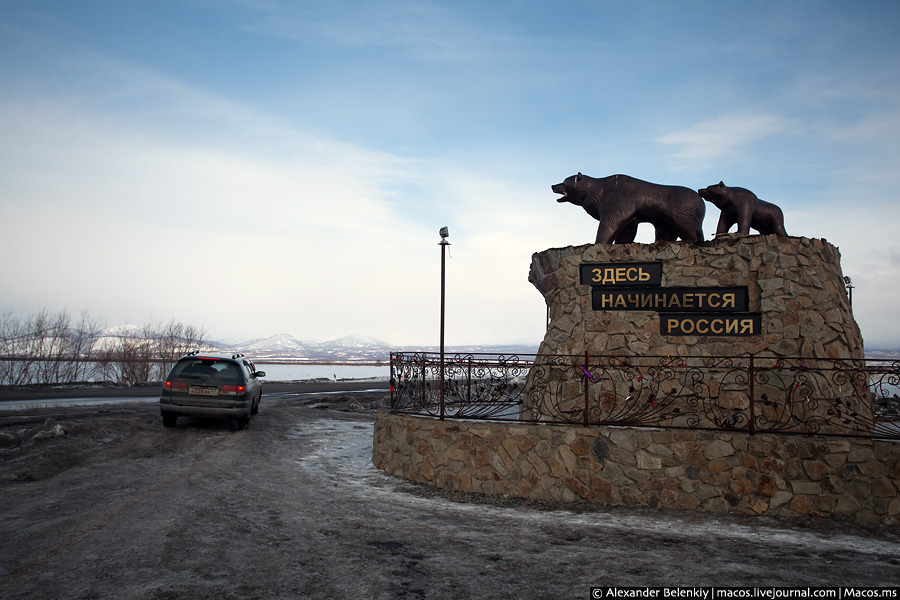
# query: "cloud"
713, 139
420, 30
108, 214
880, 129
869, 250
321, 146
115, 173
327, 239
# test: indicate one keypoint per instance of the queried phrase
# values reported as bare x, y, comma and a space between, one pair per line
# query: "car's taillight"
233, 389
175, 385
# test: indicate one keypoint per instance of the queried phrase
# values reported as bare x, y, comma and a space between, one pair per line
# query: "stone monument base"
794, 285
743, 332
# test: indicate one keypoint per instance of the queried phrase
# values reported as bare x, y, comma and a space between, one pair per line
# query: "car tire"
255, 410
169, 420
243, 422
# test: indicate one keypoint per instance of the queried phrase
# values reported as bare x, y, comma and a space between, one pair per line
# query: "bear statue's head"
573, 189
717, 194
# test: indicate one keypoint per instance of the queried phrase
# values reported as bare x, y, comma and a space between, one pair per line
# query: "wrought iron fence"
859, 398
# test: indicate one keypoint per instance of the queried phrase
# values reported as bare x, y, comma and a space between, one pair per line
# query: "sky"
256, 167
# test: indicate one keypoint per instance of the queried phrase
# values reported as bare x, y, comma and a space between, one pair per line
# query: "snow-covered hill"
286, 347
352, 341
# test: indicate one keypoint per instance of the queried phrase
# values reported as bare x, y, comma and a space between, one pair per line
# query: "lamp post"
443, 244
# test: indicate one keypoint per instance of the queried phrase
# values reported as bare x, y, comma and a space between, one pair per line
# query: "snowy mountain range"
286, 347
349, 348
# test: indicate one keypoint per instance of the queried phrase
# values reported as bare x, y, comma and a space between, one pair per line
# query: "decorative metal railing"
858, 398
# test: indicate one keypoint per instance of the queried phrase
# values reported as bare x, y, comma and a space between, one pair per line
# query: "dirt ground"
104, 502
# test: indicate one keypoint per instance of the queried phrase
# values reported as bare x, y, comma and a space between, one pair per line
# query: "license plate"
203, 391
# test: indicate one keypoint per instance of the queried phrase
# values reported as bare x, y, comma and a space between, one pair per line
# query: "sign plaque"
621, 274
717, 324
683, 311
679, 299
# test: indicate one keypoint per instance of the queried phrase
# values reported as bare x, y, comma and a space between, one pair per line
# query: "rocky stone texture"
718, 472
795, 283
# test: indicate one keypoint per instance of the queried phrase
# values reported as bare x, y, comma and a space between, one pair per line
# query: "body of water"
276, 372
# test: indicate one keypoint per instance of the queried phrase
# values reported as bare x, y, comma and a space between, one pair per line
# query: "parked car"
206, 385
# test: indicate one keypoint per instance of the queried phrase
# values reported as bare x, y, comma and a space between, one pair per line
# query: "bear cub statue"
620, 202
741, 206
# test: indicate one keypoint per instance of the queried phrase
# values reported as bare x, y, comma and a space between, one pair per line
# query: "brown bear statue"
741, 206
620, 202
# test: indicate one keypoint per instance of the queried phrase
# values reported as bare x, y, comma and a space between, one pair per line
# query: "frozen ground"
103, 502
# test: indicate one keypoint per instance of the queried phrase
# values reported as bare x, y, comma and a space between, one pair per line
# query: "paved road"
35, 398
96, 392
111, 504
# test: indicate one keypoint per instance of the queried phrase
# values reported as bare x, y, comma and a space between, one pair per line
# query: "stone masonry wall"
718, 472
795, 284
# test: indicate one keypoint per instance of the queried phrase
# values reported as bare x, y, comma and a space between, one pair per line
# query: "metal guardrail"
807, 396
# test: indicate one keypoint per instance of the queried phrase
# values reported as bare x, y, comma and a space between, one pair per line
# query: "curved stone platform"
718, 472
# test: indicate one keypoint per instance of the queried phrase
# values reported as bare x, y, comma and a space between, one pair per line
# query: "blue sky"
310, 151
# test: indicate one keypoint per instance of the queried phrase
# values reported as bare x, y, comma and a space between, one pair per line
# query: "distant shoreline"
301, 362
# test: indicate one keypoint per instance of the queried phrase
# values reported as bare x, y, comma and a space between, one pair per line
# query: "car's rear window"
208, 369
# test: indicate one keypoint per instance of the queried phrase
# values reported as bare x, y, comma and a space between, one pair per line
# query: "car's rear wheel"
243, 422
255, 410
169, 420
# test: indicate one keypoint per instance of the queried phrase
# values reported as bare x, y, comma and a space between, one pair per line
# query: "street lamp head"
445, 233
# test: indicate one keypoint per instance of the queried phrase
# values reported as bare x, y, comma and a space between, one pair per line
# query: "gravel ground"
103, 502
